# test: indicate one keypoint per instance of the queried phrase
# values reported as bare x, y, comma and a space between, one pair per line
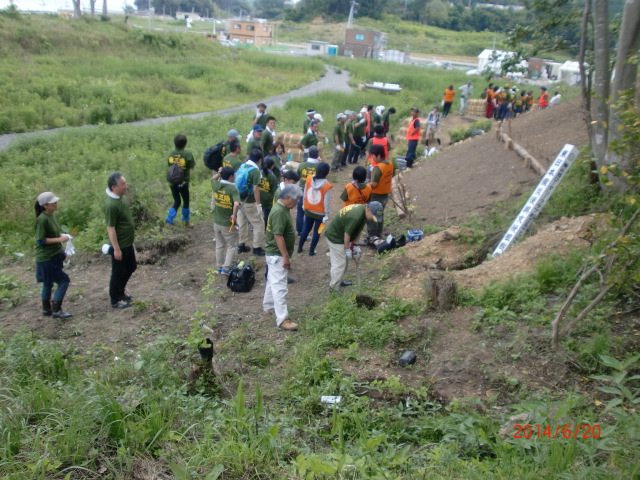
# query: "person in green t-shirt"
186, 162
50, 256
281, 238
226, 199
121, 231
255, 139
268, 186
233, 159
307, 121
261, 117
309, 139
268, 136
342, 233
338, 142
278, 159
386, 119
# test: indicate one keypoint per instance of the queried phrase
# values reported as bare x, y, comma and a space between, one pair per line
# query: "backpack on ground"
175, 174
242, 179
213, 156
241, 279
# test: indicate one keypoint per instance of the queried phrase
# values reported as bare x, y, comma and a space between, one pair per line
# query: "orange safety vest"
355, 196
314, 199
384, 184
544, 100
449, 95
379, 141
416, 134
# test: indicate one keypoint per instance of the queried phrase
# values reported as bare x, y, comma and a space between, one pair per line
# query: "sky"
55, 5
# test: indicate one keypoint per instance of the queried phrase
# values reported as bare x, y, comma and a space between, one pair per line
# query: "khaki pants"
226, 244
275, 292
249, 213
339, 264
337, 158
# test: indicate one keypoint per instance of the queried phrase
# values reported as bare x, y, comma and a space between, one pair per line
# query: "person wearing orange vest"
491, 93
449, 95
317, 198
357, 192
377, 139
543, 101
413, 136
380, 186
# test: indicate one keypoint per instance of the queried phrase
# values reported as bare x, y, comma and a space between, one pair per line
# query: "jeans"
309, 224
411, 152
300, 214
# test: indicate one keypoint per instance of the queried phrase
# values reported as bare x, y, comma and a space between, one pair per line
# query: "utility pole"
354, 8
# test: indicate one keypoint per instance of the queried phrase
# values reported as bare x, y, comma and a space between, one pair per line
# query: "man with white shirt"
466, 91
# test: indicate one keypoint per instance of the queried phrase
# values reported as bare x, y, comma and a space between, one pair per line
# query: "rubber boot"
46, 308
58, 312
171, 215
186, 213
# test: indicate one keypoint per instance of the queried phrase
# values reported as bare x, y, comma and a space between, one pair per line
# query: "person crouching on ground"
226, 199
50, 256
342, 233
281, 238
184, 159
317, 199
358, 191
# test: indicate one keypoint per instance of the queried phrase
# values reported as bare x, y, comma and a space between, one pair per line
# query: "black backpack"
175, 174
214, 155
241, 279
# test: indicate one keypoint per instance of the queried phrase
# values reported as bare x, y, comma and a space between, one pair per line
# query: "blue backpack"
242, 179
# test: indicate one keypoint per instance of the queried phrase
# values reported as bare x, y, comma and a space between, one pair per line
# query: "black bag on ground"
213, 156
241, 279
175, 174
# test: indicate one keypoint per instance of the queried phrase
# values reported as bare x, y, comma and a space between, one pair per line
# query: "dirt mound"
444, 251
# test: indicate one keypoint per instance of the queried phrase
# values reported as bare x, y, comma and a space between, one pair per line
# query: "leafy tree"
437, 13
269, 8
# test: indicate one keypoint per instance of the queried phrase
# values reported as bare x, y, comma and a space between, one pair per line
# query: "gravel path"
330, 81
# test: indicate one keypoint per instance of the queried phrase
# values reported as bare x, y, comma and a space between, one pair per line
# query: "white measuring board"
539, 197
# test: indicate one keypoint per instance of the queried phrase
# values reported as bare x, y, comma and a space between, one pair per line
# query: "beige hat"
47, 197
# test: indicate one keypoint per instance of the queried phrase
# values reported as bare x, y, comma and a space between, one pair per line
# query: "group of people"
507, 102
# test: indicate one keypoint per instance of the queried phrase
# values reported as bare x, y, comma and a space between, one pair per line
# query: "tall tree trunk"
93, 7
624, 79
601, 84
104, 9
76, 8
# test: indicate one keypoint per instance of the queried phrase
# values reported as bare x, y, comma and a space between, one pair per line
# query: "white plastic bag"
69, 249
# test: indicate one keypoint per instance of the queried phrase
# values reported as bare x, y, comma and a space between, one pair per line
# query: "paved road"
331, 81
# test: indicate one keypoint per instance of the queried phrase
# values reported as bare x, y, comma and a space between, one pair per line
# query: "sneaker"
258, 252
126, 298
346, 284
311, 254
121, 304
188, 224
223, 271
290, 280
242, 248
288, 325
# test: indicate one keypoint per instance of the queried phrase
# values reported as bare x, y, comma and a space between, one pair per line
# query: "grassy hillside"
59, 72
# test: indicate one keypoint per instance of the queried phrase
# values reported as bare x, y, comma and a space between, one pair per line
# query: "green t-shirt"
305, 125
47, 227
351, 219
267, 143
277, 165
348, 129
339, 131
304, 170
253, 178
262, 120
233, 161
376, 119
309, 140
185, 161
359, 130
280, 223
385, 117
268, 186
254, 143
225, 194
118, 215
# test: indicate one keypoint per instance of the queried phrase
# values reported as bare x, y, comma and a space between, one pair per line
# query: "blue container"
414, 235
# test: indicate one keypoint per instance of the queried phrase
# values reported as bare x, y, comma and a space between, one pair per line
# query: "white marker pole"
539, 197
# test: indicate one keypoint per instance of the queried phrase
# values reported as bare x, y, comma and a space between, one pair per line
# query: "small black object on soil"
366, 301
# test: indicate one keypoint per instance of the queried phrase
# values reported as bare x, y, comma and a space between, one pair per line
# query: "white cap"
318, 117
46, 197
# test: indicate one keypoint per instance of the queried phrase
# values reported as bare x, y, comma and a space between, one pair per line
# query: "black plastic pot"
407, 358
206, 350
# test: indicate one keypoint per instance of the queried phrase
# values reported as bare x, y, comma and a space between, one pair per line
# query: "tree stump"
441, 289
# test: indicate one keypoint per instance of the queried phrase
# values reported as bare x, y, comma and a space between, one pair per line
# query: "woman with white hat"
50, 256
